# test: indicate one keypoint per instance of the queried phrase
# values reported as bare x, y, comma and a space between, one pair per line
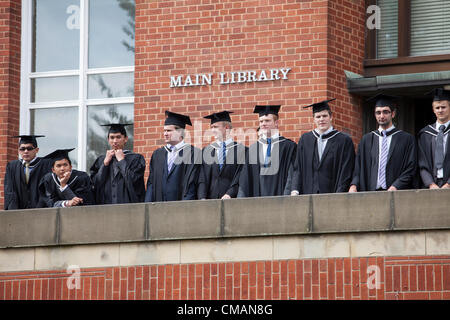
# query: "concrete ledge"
217, 219
266, 216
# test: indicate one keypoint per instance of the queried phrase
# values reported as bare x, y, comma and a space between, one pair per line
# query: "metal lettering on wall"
225, 78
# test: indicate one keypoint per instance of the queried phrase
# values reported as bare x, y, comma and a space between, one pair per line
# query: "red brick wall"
318, 40
346, 28
414, 277
10, 15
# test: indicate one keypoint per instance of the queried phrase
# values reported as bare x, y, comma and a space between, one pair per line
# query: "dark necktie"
269, 152
439, 153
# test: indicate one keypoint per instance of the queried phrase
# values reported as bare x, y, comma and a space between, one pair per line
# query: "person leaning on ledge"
64, 186
386, 158
434, 144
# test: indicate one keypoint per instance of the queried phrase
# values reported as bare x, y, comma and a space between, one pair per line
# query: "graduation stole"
69, 182
392, 132
430, 129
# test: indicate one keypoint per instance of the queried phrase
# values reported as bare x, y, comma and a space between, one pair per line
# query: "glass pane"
97, 141
54, 89
111, 33
56, 35
59, 132
387, 36
430, 27
111, 85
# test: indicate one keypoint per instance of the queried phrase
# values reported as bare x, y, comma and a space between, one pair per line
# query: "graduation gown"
401, 165
333, 173
120, 181
19, 194
256, 180
214, 182
182, 180
79, 185
426, 149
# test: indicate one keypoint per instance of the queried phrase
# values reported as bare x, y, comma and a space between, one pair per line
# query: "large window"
409, 28
77, 73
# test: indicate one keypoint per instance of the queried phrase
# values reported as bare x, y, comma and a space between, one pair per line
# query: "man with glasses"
23, 176
386, 159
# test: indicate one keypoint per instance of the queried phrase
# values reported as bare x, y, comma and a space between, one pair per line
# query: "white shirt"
380, 141
440, 172
220, 144
265, 145
324, 142
177, 148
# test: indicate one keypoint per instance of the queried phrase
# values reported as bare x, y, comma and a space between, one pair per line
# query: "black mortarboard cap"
219, 116
439, 94
117, 128
25, 139
384, 100
177, 119
265, 110
59, 154
320, 106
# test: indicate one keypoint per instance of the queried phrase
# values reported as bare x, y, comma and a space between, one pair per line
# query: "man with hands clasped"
118, 176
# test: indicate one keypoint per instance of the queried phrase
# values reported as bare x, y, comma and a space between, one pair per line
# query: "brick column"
10, 33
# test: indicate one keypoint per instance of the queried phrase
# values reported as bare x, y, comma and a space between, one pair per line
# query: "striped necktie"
172, 155
383, 161
439, 153
222, 155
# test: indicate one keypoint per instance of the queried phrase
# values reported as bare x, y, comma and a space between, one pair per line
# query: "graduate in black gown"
64, 186
175, 167
386, 157
270, 160
325, 156
434, 144
22, 176
118, 176
222, 161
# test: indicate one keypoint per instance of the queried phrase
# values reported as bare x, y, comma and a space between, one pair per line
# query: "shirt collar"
440, 124
178, 146
387, 130
31, 162
273, 137
227, 142
326, 132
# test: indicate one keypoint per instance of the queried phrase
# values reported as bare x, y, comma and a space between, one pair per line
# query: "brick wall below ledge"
407, 277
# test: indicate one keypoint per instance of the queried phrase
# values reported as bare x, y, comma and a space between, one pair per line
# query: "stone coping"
215, 219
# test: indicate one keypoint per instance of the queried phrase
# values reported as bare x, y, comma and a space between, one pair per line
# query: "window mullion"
82, 118
404, 23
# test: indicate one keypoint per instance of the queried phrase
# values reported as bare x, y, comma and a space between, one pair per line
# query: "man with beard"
386, 158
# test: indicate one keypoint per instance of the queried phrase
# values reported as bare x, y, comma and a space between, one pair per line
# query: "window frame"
82, 72
403, 63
